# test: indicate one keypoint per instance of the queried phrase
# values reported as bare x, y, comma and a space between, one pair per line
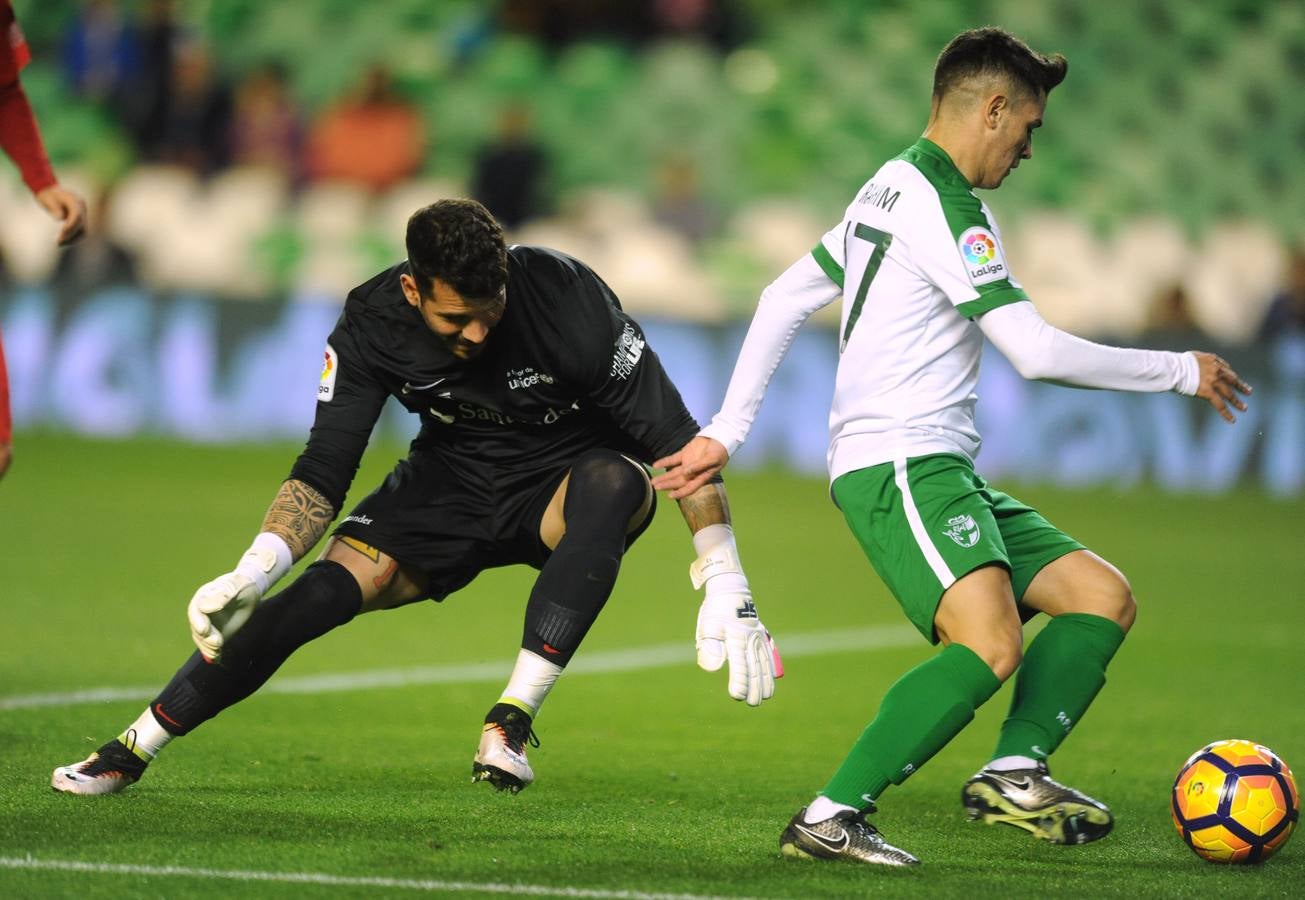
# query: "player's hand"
1220, 385
68, 208
690, 467
218, 609
729, 630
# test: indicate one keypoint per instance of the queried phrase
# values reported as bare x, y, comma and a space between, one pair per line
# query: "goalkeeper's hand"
218, 609
729, 630
221, 607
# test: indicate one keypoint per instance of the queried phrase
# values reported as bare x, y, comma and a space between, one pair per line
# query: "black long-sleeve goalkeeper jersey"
565, 370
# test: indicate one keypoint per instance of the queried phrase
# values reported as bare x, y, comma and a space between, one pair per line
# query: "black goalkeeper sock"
323, 597
605, 490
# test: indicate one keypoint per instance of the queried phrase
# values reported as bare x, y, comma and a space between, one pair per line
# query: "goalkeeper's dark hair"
460, 243
986, 52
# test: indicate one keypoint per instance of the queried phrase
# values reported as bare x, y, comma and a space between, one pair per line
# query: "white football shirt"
917, 260
916, 257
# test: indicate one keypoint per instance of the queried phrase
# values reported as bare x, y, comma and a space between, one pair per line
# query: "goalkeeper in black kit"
541, 404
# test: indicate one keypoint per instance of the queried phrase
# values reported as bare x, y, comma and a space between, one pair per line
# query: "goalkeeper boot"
845, 835
106, 771
501, 758
1030, 799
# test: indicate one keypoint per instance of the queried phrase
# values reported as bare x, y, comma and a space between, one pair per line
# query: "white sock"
823, 808
710, 538
146, 737
1010, 763
532, 678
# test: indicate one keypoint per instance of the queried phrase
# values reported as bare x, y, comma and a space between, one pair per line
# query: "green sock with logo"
922, 711
1063, 670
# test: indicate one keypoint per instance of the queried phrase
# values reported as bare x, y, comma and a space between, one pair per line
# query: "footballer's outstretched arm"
785, 305
1040, 351
296, 520
729, 628
306, 502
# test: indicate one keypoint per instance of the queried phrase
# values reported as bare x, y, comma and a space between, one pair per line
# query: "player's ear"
410, 292
996, 106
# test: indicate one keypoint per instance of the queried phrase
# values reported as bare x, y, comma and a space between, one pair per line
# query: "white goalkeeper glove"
728, 626
221, 607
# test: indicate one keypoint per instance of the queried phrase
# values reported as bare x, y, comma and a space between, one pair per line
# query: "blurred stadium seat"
1063, 265
1235, 272
27, 235
393, 208
150, 204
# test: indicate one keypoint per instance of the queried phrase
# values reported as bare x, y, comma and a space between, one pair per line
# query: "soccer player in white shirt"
918, 263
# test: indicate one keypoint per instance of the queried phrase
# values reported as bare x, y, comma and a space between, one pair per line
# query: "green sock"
922, 711
1063, 669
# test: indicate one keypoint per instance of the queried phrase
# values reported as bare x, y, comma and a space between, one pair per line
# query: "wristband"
717, 565
266, 560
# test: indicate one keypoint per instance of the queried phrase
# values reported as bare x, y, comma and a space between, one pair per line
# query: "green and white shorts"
928, 520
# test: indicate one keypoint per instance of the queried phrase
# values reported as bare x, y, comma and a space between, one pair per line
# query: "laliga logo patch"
982, 254
330, 368
963, 530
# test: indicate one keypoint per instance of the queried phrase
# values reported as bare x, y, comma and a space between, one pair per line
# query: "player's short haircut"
460, 243
988, 52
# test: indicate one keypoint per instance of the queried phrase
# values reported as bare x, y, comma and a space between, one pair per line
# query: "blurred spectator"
146, 106
266, 126
97, 261
1286, 312
1170, 321
374, 137
679, 204
558, 23
510, 171
101, 54
195, 124
21, 141
712, 20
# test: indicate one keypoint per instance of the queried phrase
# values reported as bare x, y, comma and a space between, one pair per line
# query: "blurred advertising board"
126, 361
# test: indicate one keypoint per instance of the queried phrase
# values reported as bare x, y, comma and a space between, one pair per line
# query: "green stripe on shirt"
1003, 293
826, 262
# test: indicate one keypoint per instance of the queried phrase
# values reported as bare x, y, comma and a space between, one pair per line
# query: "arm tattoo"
299, 515
707, 505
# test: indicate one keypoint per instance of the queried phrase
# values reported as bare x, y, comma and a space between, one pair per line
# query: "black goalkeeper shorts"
452, 523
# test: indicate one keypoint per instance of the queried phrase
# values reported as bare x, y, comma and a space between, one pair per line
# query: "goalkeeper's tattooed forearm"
299, 515
705, 506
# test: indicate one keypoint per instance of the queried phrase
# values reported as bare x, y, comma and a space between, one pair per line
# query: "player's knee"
1107, 594
1004, 655
1001, 650
607, 480
1120, 605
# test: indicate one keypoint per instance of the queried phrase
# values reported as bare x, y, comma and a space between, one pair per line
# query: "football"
1235, 802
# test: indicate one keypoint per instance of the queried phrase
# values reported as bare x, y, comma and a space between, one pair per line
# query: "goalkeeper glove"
220, 607
729, 629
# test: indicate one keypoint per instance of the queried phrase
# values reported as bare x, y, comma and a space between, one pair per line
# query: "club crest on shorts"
963, 530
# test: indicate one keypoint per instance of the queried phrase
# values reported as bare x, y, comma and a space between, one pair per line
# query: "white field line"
319, 878
603, 661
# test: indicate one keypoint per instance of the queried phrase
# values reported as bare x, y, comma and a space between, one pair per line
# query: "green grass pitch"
651, 782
